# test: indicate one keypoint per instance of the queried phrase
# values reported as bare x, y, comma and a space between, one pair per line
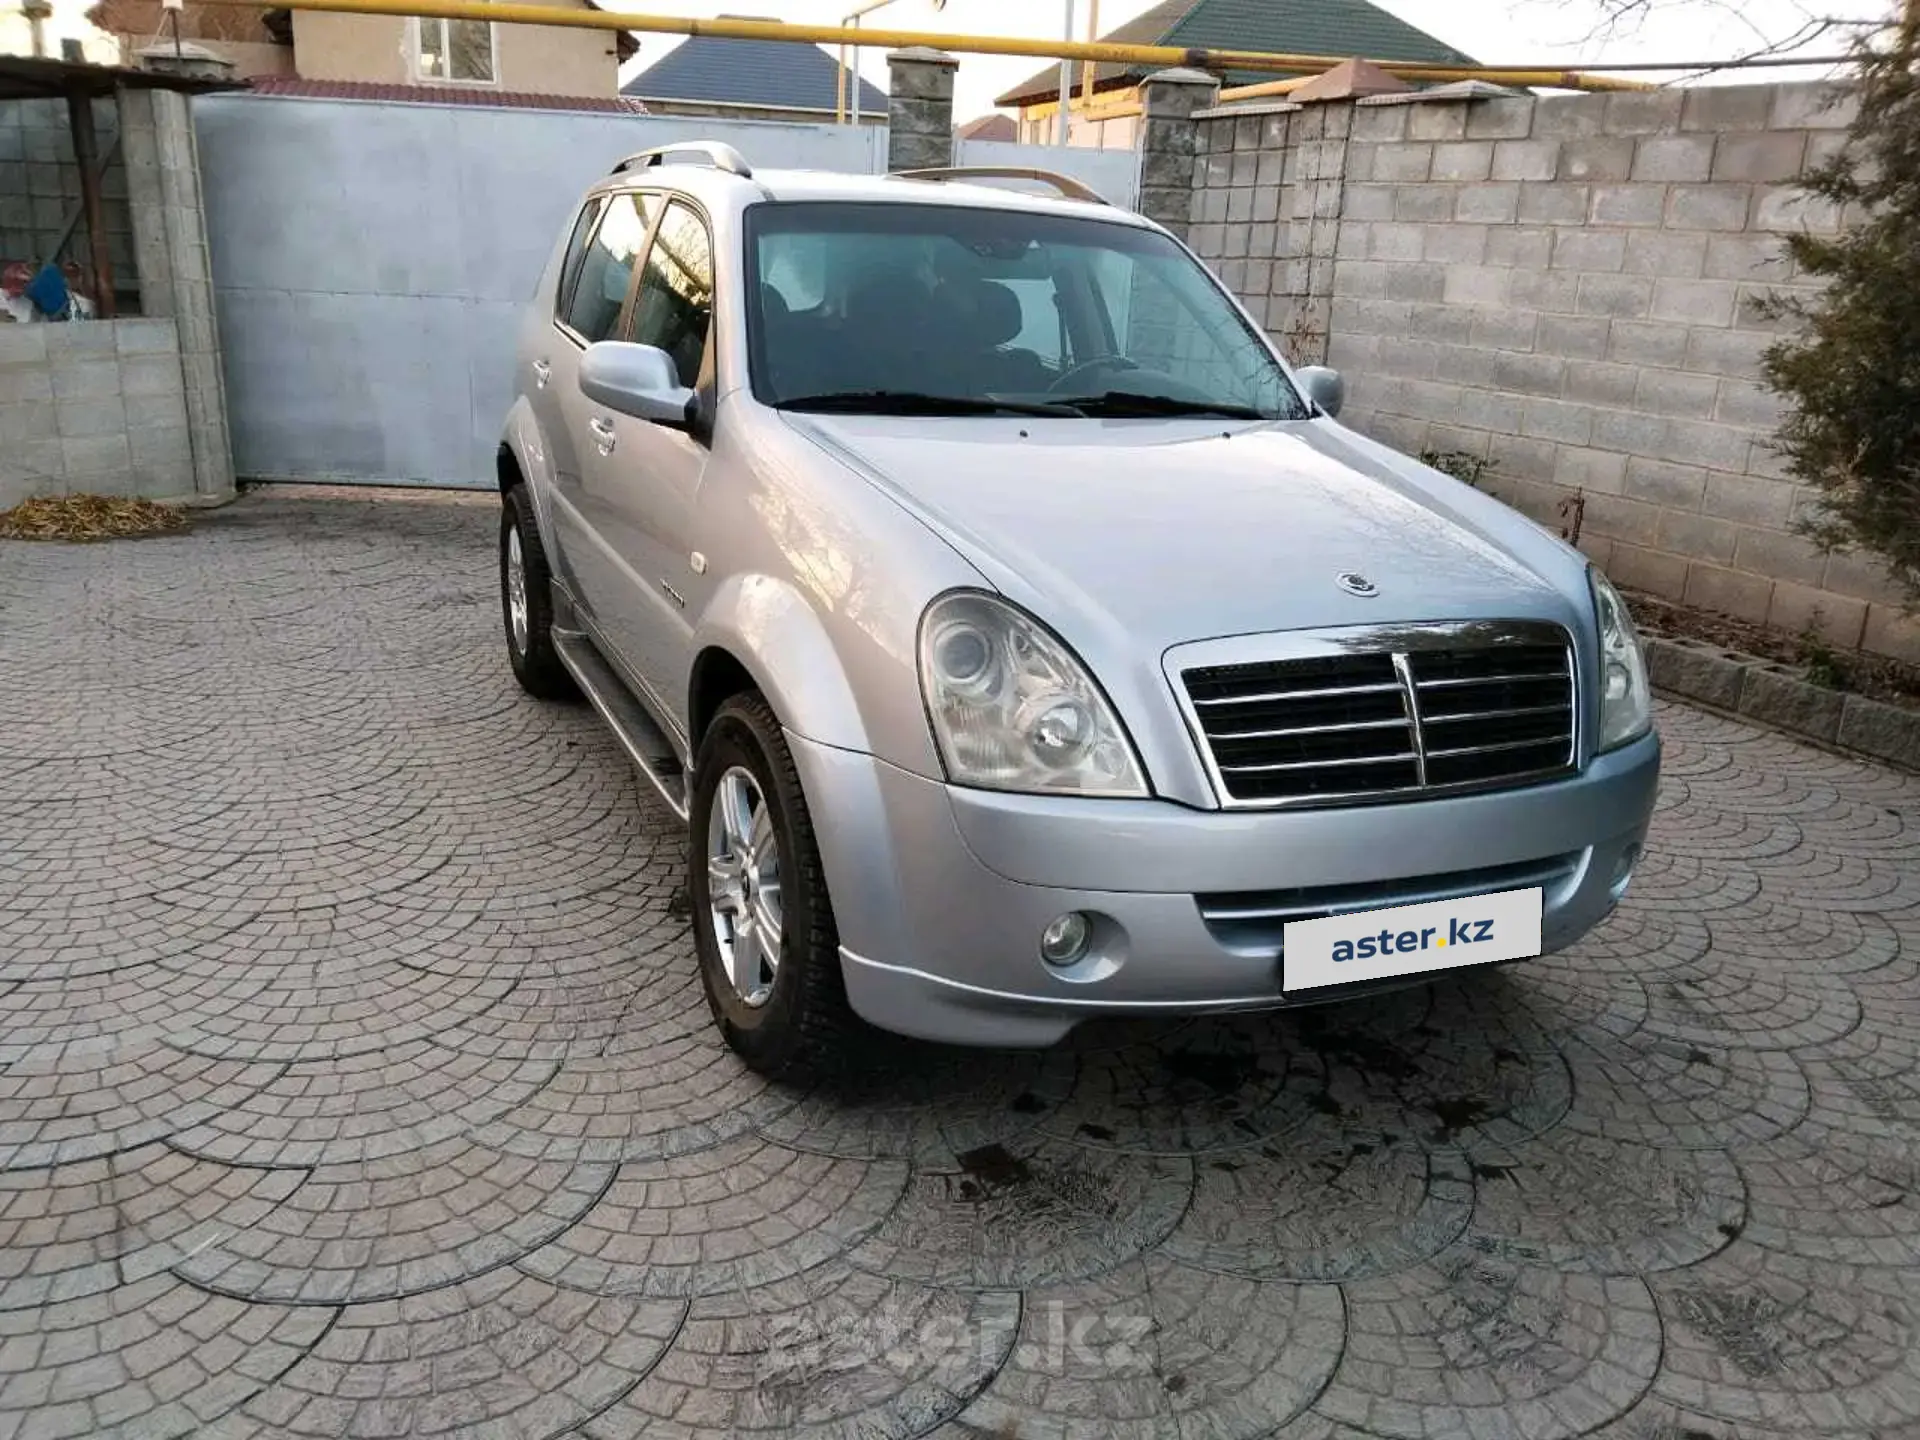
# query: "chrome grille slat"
1338, 722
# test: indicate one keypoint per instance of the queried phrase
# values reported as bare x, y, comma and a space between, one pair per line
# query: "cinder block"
85, 379
1643, 112
1239, 206
1768, 156
1370, 201
1731, 592
1619, 518
1523, 373
1887, 731
1448, 324
77, 343
1389, 241
1776, 695
1425, 202
1673, 158
1787, 207
1416, 282
1864, 577
1838, 619
1733, 353
1522, 247
151, 375
1488, 410
1641, 205
1630, 433
1557, 420
1500, 119
1454, 244
1779, 554
1521, 457
1759, 258
1749, 499
1678, 253
1547, 291
89, 418
1720, 108
1709, 207
1497, 203
1753, 310
26, 384
1821, 105
1525, 159
1437, 120
23, 344
22, 423
1477, 285
1553, 203
1674, 392
1402, 162
1503, 328
1698, 537
1599, 471
1595, 382
1597, 158
162, 447
93, 459
1742, 402
1891, 631
1463, 161
1641, 568
1619, 296
1662, 483
1717, 447
1693, 302
1375, 123
1589, 250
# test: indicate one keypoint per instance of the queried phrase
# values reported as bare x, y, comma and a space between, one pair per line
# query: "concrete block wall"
95, 407
1570, 287
40, 187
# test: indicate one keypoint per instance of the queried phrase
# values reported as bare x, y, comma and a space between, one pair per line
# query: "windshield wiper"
914, 402
1138, 403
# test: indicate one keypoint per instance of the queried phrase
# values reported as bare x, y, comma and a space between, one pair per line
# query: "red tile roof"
442, 95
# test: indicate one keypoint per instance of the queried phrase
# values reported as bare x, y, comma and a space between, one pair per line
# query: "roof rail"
1069, 187
719, 155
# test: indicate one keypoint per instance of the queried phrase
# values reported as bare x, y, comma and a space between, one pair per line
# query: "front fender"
523, 437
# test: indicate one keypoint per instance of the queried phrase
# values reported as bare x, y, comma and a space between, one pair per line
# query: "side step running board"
632, 726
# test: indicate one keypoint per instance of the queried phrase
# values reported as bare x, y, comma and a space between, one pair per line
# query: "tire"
789, 1020
529, 639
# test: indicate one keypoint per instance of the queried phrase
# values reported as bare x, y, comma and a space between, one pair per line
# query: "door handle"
603, 436
542, 371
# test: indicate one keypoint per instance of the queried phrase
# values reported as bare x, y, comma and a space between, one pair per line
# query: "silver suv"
1021, 640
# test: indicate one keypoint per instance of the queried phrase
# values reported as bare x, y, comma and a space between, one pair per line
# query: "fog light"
1623, 870
1065, 940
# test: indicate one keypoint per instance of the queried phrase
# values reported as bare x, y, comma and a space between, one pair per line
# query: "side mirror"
636, 380
1322, 386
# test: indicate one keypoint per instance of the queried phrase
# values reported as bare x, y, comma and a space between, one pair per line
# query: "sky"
1556, 32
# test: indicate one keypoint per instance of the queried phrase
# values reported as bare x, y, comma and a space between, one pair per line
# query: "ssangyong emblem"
1354, 583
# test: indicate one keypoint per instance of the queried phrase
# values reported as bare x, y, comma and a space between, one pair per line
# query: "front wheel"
763, 922
526, 601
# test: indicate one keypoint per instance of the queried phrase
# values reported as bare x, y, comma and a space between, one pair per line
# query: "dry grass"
88, 517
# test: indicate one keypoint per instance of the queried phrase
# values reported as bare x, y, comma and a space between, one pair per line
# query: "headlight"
1012, 709
1626, 705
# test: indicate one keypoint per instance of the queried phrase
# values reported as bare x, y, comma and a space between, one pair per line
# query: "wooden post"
86, 150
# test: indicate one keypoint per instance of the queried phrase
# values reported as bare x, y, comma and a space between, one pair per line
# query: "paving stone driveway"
354, 1080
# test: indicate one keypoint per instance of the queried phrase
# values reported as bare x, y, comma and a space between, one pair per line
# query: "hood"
1165, 531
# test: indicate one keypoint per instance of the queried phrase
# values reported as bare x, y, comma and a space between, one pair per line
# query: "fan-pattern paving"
355, 1080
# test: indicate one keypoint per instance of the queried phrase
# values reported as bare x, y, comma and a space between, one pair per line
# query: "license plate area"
1411, 939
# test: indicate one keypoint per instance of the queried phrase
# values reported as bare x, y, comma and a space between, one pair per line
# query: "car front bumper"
940, 893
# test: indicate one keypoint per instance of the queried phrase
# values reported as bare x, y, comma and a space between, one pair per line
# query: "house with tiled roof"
753, 80
406, 57
1302, 27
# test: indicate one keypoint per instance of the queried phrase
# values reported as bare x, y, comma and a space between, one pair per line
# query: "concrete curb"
1780, 695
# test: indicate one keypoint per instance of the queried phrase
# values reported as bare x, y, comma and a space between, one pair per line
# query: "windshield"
944, 310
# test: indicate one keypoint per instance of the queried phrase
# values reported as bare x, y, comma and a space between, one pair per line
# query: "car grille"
1387, 724
1253, 923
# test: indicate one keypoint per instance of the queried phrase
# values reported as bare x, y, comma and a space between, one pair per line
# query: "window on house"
675, 300
454, 50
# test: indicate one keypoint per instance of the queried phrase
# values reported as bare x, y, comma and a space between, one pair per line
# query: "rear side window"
600, 290
674, 304
576, 253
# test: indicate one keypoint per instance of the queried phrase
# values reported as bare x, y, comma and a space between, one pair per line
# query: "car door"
549, 354
596, 308
644, 477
